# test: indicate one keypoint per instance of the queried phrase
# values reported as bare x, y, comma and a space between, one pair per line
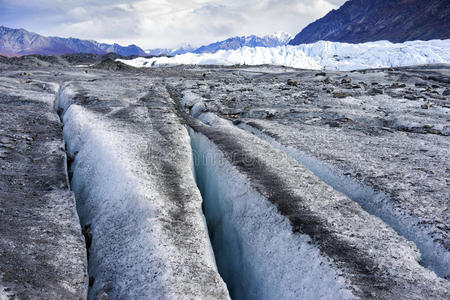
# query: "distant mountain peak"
359, 21
233, 43
281, 36
183, 48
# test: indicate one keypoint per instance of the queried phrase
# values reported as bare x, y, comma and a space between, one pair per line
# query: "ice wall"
319, 55
368, 253
149, 237
257, 253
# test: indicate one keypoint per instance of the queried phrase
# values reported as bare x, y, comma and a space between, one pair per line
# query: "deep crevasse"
144, 244
255, 248
256, 251
433, 255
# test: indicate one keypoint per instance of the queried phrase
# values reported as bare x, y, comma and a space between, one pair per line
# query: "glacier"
434, 256
257, 253
320, 55
132, 179
339, 140
254, 182
245, 183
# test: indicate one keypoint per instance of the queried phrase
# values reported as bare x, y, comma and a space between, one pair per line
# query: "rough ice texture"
434, 255
319, 55
42, 250
257, 253
385, 145
389, 134
134, 185
371, 257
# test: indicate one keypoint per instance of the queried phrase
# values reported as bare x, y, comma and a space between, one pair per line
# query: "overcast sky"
161, 23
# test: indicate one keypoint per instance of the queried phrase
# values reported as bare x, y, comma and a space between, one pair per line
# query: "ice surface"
257, 253
319, 55
133, 182
240, 176
42, 250
385, 151
434, 256
4, 295
135, 186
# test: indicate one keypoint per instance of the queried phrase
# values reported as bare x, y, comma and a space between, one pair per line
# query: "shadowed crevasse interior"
433, 255
257, 254
142, 207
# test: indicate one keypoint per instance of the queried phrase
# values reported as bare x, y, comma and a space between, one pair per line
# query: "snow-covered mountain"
22, 42
320, 55
233, 43
171, 52
273, 40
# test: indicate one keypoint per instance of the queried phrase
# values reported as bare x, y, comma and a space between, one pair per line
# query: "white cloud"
162, 23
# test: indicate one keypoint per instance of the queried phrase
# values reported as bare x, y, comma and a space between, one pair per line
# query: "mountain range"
21, 42
359, 21
273, 40
233, 43
17, 42
170, 52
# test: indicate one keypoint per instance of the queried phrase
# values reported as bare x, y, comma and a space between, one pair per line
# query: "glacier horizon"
278, 38
322, 55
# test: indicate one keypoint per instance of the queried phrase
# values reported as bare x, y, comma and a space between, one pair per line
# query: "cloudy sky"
161, 23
